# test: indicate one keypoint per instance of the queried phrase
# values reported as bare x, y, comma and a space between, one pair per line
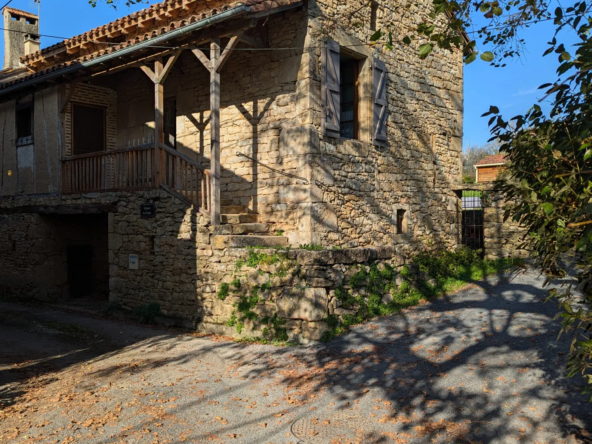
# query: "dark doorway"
472, 219
88, 127
80, 270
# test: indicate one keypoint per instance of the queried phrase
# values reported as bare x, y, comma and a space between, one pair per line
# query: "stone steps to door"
239, 218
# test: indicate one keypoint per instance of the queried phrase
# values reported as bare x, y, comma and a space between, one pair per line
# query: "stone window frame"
407, 234
356, 49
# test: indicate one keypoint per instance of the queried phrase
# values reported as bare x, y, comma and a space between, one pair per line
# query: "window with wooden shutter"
331, 91
380, 111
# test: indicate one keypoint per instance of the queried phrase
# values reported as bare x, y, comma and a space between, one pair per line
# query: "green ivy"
223, 292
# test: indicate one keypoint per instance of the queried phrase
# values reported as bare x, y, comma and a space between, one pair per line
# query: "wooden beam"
158, 118
215, 129
202, 58
151, 74
168, 67
234, 41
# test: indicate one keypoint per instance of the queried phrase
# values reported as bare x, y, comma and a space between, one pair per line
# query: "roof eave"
198, 25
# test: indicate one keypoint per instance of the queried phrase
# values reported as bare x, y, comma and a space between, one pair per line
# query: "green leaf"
425, 49
485, 7
497, 11
561, 223
565, 56
548, 208
487, 56
377, 35
588, 154
470, 58
406, 40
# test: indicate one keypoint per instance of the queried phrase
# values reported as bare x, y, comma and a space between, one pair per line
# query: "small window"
401, 222
349, 98
88, 128
24, 124
373, 16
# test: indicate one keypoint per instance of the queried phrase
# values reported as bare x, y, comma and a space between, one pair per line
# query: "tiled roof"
135, 28
19, 12
493, 160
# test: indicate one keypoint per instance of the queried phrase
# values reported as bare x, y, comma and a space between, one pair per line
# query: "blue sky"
513, 88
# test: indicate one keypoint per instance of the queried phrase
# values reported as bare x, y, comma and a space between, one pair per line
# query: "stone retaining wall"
179, 266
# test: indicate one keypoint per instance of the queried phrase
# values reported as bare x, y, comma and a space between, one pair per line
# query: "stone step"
233, 209
239, 218
222, 242
253, 228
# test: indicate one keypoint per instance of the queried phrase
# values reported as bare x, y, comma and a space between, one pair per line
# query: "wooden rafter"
234, 41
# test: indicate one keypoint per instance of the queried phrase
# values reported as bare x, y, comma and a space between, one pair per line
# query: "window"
88, 128
349, 98
373, 16
354, 96
401, 222
24, 124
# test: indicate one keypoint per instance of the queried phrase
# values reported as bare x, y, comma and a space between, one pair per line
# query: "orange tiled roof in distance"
493, 160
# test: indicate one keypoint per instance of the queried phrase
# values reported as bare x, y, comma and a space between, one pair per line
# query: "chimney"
32, 44
21, 35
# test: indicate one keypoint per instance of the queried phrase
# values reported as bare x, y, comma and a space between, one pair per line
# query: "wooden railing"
186, 177
134, 169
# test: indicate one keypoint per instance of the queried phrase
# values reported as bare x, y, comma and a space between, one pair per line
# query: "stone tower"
19, 26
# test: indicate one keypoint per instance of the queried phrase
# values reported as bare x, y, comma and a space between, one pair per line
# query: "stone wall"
502, 239
359, 187
180, 266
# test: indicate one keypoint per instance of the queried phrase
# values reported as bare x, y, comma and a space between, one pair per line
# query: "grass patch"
312, 247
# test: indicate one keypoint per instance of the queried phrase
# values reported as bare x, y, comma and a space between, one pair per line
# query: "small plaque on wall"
147, 211
133, 262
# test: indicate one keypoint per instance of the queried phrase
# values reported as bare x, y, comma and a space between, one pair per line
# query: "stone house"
487, 169
139, 159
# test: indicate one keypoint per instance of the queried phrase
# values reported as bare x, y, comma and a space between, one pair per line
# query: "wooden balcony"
137, 169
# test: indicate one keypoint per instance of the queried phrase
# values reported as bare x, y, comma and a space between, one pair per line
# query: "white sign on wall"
133, 261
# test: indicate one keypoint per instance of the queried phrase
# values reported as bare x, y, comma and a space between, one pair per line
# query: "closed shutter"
331, 93
380, 111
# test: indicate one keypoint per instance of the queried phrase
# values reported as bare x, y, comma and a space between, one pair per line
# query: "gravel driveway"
482, 365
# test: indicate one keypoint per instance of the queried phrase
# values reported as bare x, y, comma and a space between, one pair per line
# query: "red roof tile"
493, 160
145, 24
19, 12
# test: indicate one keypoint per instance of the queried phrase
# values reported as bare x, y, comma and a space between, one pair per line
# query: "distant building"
487, 170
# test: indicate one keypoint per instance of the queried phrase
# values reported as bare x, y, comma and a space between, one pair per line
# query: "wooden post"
158, 119
215, 128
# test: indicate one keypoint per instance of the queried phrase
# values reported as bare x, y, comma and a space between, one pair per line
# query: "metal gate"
472, 219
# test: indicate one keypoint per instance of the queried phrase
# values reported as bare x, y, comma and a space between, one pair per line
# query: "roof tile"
493, 160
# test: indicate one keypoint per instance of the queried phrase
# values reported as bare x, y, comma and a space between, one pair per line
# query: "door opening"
80, 271
472, 219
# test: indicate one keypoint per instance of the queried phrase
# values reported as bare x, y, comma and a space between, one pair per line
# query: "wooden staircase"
241, 228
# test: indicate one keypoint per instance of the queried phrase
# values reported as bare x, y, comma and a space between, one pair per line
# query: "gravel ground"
482, 365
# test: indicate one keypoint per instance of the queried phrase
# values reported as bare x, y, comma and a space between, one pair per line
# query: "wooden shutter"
331, 91
380, 111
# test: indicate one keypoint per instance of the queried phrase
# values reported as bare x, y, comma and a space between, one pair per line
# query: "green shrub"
223, 292
147, 314
312, 247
